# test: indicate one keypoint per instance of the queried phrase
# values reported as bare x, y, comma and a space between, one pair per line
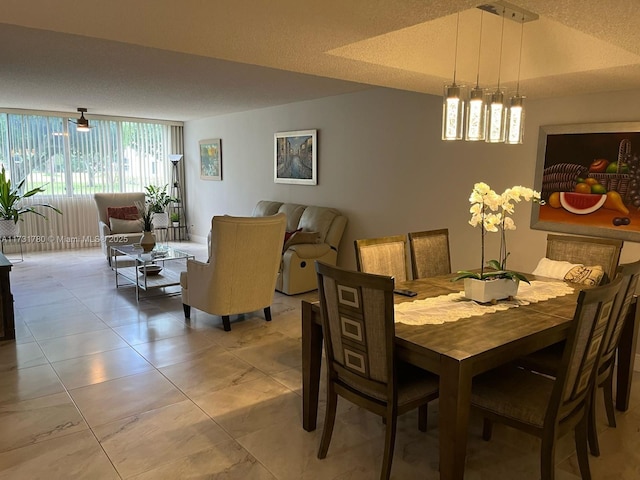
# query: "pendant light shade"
515, 114
453, 102
476, 107
453, 112
496, 117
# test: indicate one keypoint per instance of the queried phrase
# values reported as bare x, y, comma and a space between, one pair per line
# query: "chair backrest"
121, 199
577, 370
383, 256
359, 331
629, 273
244, 263
429, 253
587, 251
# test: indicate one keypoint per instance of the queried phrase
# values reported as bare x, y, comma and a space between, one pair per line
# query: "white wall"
382, 163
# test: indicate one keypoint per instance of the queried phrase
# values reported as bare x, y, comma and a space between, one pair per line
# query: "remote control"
406, 293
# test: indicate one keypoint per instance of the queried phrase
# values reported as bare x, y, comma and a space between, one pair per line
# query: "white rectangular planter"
484, 291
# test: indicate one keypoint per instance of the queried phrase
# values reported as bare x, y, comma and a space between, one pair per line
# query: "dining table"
459, 349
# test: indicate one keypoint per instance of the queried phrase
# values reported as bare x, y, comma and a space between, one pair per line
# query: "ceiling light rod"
511, 11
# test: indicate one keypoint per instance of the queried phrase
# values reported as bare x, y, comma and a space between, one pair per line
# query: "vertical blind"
113, 156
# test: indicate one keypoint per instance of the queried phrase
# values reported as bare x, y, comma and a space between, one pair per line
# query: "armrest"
310, 250
104, 229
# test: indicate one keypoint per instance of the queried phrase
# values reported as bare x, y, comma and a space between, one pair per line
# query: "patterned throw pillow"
130, 212
585, 275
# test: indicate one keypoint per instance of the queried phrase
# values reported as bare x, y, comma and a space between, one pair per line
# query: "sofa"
118, 219
312, 233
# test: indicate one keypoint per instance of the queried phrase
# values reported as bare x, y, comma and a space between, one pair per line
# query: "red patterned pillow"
130, 212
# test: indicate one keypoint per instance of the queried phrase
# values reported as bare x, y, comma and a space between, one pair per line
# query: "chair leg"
608, 399
329, 421
487, 429
423, 417
581, 448
226, 323
187, 310
592, 430
267, 314
389, 444
547, 458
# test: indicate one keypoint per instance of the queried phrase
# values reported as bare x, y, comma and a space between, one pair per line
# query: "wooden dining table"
459, 350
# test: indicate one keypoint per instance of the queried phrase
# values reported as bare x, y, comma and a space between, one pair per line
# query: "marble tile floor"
97, 386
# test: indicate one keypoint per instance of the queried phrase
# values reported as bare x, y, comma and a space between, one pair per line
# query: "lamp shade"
496, 118
515, 120
476, 115
453, 112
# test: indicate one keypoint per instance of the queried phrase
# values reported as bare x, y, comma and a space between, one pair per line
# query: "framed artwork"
296, 157
589, 179
211, 159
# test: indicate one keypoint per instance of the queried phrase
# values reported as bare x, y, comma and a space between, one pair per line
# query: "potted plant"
175, 219
158, 200
10, 208
148, 240
497, 282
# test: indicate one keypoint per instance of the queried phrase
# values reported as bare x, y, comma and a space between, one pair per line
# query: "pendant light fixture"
82, 125
453, 101
496, 114
476, 107
515, 112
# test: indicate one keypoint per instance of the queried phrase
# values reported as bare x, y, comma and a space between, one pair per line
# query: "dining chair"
547, 360
359, 331
587, 251
550, 407
383, 256
429, 252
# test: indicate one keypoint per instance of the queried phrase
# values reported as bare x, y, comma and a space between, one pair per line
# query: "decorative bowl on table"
150, 270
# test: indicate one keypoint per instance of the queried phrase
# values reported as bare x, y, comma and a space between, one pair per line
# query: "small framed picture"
211, 159
296, 157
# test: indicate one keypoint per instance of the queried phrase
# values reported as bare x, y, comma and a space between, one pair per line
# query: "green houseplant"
148, 239
11, 209
175, 218
158, 199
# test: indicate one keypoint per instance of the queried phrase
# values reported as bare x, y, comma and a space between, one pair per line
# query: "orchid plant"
491, 211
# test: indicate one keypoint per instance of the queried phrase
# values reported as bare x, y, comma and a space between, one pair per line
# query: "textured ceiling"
194, 58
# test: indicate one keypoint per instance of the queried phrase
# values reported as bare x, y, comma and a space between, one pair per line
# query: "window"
114, 156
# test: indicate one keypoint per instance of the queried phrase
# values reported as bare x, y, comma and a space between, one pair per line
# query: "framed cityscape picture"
296, 157
211, 159
589, 178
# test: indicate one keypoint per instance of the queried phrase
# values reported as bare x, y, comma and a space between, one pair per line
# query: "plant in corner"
11, 209
158, 198
492, 213
175, 218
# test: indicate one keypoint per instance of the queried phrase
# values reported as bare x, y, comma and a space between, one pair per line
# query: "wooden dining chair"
383, 256
604, 252
429, 252
359, 332
548, 360
549, 407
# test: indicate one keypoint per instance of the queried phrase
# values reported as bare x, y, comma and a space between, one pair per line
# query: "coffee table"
157, 268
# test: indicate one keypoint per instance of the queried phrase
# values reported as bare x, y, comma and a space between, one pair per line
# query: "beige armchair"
242, 270
114, 232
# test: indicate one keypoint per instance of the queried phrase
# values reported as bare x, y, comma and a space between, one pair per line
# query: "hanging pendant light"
496, 113
515, 112
453, 102
476, 107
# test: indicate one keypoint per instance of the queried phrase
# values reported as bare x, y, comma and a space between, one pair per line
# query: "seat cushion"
514, 393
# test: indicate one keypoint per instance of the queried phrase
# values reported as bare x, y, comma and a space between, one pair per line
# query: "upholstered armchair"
241, 274
118, 219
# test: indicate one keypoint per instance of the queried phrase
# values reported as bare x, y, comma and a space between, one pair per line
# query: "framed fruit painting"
589, 179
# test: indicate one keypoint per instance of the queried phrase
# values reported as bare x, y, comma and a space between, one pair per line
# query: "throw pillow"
553, 268
287, 235
119, 225
585, 275
301, 237
130, 212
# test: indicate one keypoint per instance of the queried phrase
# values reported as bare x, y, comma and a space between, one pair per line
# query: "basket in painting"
620, 182
561, 177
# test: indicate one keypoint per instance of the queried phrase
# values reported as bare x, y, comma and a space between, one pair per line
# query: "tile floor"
97, 386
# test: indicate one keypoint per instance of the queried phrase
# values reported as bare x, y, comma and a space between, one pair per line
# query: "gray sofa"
297, 272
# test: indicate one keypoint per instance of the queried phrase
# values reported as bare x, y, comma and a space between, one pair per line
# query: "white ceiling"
188, 59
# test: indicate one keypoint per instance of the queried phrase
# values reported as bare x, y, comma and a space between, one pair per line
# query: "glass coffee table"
157, 268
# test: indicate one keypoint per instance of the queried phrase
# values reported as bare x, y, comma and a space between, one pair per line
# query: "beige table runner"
453, 307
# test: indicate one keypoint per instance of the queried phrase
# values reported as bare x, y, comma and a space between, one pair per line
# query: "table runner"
454, 306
